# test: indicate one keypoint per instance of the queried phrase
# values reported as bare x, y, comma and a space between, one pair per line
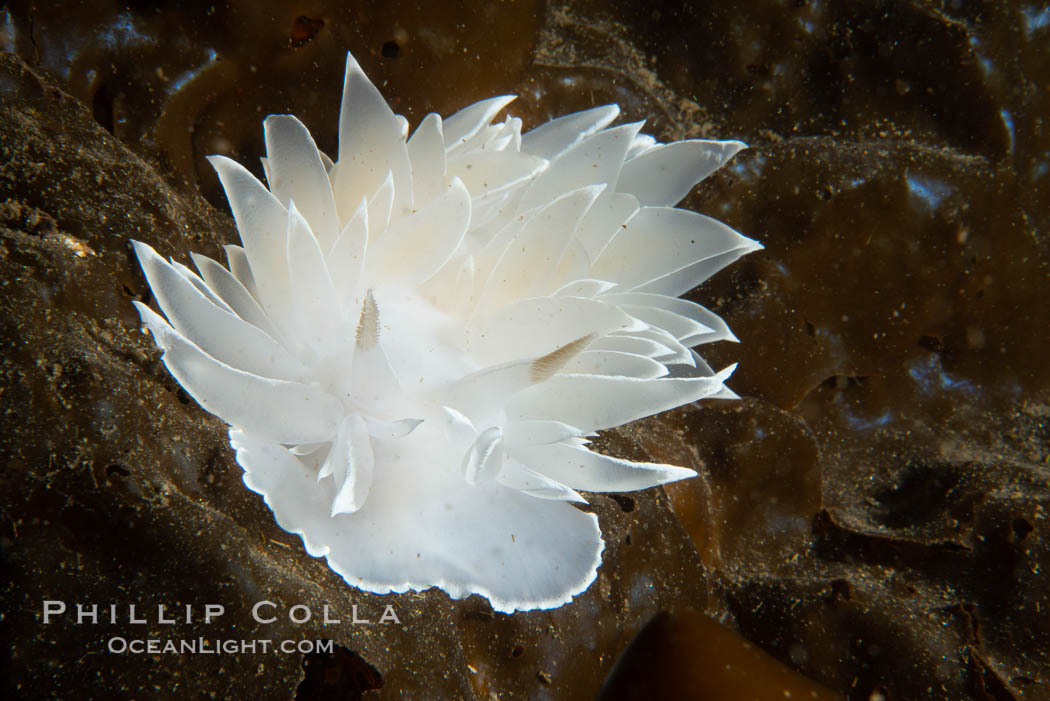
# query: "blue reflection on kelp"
930, 375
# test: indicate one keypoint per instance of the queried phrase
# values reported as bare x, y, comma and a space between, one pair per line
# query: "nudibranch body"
414, 343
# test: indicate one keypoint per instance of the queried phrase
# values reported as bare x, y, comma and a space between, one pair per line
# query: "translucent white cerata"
414, 343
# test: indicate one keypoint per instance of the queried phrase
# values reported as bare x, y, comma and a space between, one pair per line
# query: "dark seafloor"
870, 521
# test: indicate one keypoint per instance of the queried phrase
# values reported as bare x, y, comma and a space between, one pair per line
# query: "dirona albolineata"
414, 343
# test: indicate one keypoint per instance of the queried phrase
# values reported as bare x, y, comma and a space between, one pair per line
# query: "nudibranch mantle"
413, 344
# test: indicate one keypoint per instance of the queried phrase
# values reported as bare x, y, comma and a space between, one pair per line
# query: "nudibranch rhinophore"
414, 342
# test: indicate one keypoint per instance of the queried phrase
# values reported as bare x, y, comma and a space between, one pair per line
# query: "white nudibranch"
414, 343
